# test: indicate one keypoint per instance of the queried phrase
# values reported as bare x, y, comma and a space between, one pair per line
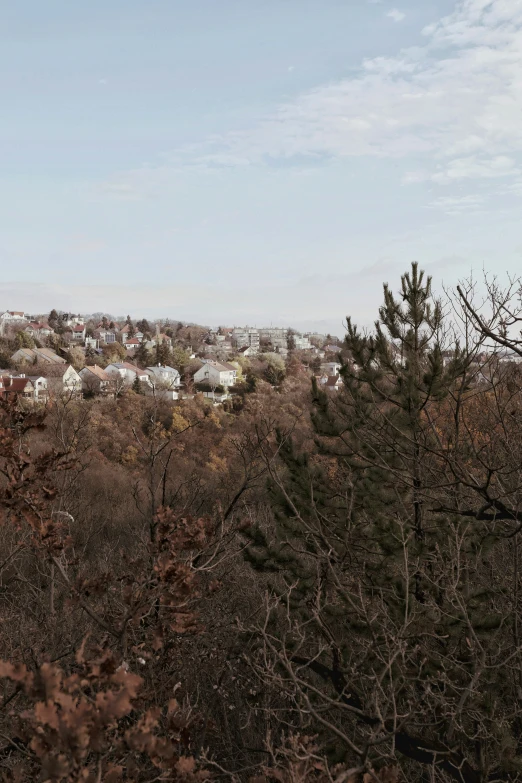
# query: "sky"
255, 161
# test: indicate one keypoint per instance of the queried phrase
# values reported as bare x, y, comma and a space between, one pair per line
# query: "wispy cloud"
456, 205
396, 15
453, 104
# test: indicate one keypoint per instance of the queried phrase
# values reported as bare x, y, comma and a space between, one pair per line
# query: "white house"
131, 342
302, 343
216, 374
165, 381
331, 368
62, 380
78, 333
38, 330
11, 318
246, 350
41, 390
124, 374
334, 382
106, 336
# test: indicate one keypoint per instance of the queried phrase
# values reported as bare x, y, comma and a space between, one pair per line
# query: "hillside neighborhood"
42, 355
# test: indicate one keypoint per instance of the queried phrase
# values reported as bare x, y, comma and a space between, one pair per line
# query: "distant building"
62, 380
245, 337
11, 318
38, 330
302, 343
165, 381
333, 348
216, 374
78, 332
36, 356
125, 373
334, 382
331, 368
95, 380
17, 386
277, 336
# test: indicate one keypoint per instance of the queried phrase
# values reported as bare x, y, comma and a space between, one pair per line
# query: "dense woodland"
303, 586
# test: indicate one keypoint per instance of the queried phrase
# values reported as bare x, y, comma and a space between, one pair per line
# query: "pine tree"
360, 555
142, 356
162, 353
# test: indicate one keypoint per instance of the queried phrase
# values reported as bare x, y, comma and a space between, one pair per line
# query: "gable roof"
332, 348
47, 353
38, 325
97, 371
29, 353
56, 370
333, 380
15, 384
219, 366
127, 366
162, 367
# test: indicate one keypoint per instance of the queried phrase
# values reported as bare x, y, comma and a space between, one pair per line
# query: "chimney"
157, 330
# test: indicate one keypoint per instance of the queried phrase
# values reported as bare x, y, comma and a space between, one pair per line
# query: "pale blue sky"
254, 161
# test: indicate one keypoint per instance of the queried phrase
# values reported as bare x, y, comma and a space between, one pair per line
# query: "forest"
308, 585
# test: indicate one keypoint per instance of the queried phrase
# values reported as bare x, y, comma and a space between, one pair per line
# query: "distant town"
42, 355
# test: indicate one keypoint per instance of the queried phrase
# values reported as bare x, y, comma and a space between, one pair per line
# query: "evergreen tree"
143, 326
162, 353
370, 571
143, 357
136, 386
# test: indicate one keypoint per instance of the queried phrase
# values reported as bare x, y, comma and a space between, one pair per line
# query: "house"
11, 318
62, 380
106, 336
302, 343
247, 350
165, 381
334, 382
163, 374
332, 348
131, 342
17, 386
215, 373
160, 338
36, 356
95, 380
331, 368
125, 373
41, 390
78, 332
38, 330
